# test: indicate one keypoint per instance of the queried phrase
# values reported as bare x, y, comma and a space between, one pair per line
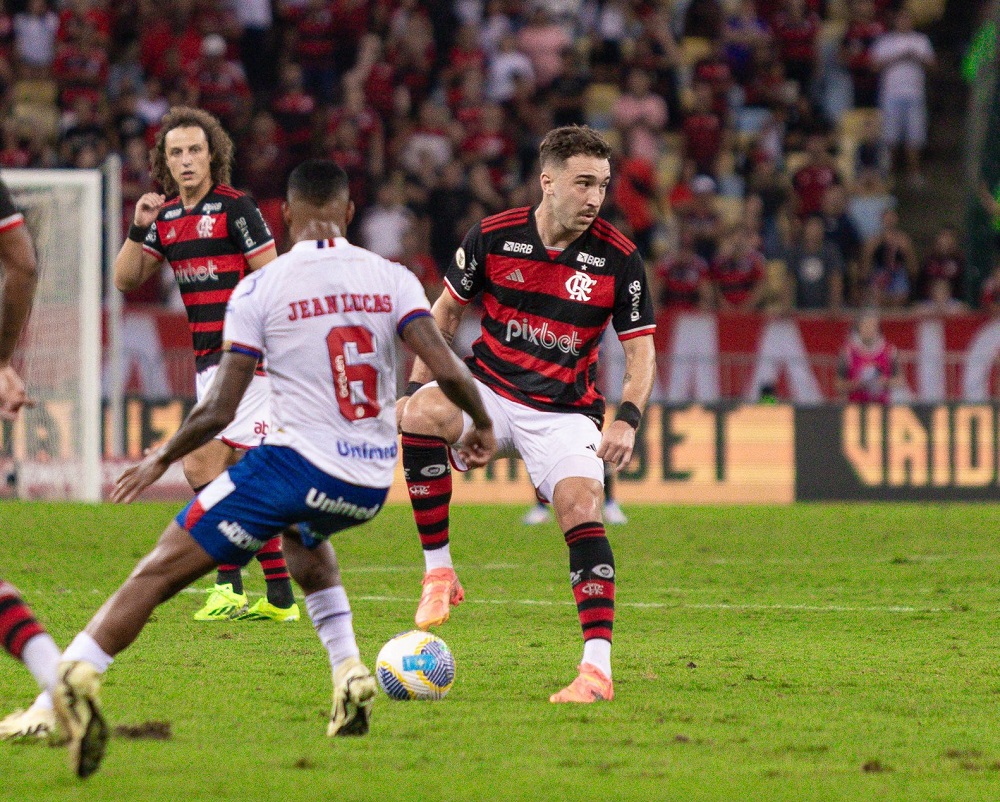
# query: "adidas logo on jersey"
516, 277
518, 247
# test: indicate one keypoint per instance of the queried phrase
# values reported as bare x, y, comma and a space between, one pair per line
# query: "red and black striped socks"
25, 638
592, 574
428, 481
272, 561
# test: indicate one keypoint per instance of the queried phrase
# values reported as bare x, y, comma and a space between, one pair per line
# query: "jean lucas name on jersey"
345, 302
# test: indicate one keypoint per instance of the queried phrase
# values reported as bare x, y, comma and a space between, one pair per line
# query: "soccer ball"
415, 665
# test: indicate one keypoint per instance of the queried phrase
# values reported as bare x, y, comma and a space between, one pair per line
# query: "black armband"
412, 387
137, 233
629, 412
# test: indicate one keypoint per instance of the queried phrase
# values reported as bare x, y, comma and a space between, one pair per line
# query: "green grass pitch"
795, 653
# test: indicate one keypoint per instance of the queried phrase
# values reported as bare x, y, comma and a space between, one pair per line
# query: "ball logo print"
415, 665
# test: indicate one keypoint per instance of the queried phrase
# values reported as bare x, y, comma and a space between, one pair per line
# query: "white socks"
41, 656
597, 652
438, 558
85, 647
331, 616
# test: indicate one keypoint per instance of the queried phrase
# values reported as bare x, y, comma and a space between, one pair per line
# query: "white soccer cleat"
613, 513
78, 709
34, 723
354, 690
539, 514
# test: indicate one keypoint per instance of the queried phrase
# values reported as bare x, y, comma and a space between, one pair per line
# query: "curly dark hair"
563, 143
220, 146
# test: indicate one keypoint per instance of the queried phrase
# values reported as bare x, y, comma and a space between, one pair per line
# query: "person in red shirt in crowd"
637, 194
418, 259
702, 218
465, 55
467, 97
343, 146
354, 107
13, 150
812, 180
868, 369
796, 30
989, 293
945, 262
739, 271
263, 175
681, 195
81, 66
682, 282
714, 71
293, 110
223, 90
490, 144
79, 14
315, 31
863, 29
704, 131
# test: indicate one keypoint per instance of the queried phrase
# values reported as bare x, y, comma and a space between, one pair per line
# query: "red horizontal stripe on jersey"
550, 370
549, 279
210, 325
206, 351
207, 297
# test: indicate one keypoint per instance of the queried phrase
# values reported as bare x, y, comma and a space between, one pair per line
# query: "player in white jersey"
324, 316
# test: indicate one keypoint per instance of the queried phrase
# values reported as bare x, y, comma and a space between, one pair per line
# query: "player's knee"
577, 502
430, 413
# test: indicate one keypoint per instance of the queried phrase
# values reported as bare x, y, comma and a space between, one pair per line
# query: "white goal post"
55, 448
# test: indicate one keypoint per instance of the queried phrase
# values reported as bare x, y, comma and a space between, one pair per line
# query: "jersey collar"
316, 244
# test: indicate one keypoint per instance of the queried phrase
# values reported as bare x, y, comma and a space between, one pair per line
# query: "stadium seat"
37, 91
853, 122
729, 209
38, 118
926, 12
598, 102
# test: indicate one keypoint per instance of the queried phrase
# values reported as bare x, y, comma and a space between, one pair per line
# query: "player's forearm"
18, 293
447, 315
128, 272
640, 371
203, 423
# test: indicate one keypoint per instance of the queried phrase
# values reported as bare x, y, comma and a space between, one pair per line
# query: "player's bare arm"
212, 414
17, 258
257, 261
618, 440
453, 377
133, 265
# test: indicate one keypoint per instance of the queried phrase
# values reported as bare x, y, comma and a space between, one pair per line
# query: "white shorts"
253, 415
553, 445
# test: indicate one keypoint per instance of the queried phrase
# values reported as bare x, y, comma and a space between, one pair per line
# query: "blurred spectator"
386, 221
705, 132
313, 33
868, 369
863, 29
902, 57
815, 177
567, 89
745, 32
127, 123
14, 151
420, 262
713, 71
222, 87
636, 193
490, 144
701, 217
431, 138
939, 301
774, 190
682, 281
496, 25
868, 202
841, 232
542, 40
507, 67
738, 272
81, 66
449, 199
641, 116
83, 127
35, 31
989, 292
152, 105
255, 19
126, 73
889, 265
293, 110
681, 195
945, 262
815, 269
796, 30
991, 203
872, 155
264, 167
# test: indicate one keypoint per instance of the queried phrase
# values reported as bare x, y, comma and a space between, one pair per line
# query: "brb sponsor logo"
541, 335
518, 247
239, 536
188, 273
590, 261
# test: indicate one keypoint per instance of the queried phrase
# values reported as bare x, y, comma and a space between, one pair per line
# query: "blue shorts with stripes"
266, 491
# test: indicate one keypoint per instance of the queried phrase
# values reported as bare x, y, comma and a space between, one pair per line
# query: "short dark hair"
318, 181
220, 146
563, 143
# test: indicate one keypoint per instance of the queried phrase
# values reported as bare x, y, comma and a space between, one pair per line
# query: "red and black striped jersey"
10, 215
208, 246
543, 315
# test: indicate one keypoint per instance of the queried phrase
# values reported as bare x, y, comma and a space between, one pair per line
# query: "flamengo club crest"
579, 286
206, 225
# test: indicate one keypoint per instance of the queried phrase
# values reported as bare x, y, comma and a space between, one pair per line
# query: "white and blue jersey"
325, 315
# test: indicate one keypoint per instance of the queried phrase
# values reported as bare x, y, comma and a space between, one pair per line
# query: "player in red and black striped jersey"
212, 236
20, 633
550, 278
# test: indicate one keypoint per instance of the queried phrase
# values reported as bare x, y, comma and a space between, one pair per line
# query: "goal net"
53, 451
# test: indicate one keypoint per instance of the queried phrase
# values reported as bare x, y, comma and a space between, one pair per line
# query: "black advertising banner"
945, 452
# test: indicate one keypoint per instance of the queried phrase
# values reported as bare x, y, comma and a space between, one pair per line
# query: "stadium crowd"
755, 140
